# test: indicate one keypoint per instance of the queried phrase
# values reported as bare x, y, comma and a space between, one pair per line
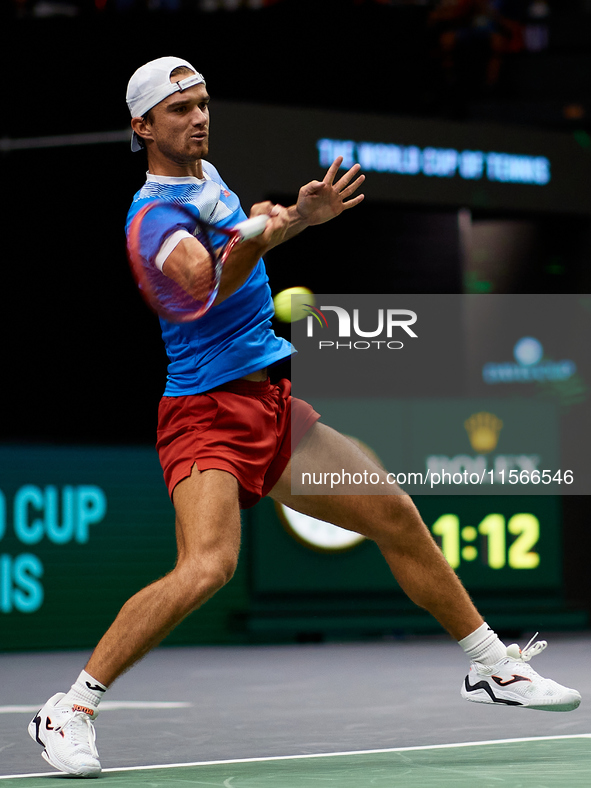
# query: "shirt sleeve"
169, 246
163, 227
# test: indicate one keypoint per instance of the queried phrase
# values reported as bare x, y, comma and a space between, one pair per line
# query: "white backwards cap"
151, 84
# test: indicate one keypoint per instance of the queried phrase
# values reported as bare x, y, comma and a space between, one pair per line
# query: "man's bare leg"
208, 540
391, 520
496, 674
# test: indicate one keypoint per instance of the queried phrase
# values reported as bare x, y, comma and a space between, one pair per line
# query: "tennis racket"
162, 294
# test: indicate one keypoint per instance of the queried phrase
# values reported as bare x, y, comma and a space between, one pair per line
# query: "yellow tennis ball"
288, 310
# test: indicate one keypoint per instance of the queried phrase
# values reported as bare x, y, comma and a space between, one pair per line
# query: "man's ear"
142, 128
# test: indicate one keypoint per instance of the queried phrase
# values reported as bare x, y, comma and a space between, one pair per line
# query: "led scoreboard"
499, 543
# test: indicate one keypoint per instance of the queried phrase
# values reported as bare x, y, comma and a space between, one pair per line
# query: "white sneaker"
67, 735
512, 682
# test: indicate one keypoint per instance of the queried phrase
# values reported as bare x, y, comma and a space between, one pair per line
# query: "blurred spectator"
164, 5
45, 8
234, 5
393, 2
536, 27
468, 30
48, 8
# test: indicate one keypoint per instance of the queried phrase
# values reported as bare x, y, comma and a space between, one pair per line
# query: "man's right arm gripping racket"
203, 264
260, 232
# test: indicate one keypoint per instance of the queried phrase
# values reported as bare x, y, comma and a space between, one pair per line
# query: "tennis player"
225, 434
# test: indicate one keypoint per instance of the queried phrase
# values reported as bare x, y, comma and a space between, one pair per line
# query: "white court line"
320, 755
106, 705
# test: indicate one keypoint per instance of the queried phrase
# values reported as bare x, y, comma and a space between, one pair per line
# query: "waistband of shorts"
252, 387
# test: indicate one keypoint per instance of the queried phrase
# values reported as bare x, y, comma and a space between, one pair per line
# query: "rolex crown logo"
483, 431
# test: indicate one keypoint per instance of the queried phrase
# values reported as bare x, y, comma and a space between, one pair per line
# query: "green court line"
542, 762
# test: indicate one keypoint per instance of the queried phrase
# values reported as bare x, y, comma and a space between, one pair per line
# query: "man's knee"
223, 570
396, 515
199, 579
218, 570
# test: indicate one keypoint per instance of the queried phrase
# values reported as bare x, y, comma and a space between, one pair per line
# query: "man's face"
179, 125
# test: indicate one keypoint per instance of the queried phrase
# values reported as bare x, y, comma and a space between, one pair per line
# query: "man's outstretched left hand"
320, 201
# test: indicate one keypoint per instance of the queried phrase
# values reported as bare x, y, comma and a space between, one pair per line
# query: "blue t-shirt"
235, 337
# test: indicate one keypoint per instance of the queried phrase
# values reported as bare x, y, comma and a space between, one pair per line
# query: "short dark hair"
181, 70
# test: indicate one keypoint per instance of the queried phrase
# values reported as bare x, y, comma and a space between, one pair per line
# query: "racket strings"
168, 298
171, 297
202, 278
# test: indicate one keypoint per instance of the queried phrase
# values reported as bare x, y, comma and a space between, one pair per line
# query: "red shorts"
243, 427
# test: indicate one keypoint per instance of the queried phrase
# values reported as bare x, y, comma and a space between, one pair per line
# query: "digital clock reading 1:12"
496, 540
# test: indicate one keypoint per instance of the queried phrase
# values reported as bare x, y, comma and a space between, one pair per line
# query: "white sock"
484, 646
86, 693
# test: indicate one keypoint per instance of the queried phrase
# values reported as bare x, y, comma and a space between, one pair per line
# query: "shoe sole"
45, 756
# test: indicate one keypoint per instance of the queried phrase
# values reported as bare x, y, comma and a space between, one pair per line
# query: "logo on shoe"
498, 680
84, 709
49, 727
484, 685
